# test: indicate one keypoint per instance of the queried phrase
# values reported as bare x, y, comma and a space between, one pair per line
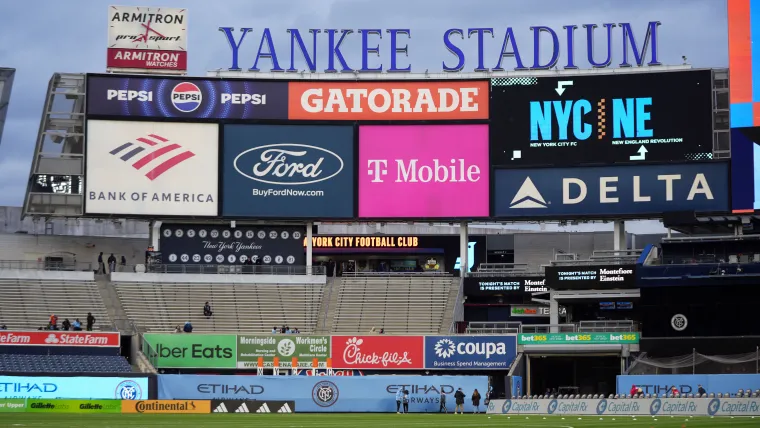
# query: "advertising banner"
87, 339
378, 352
193, 350
73, 406
688, 384
166, 406
12, 405
147, 38
152, 168
578, 339
591, 277
601, 119
288, 171
305, 348
625, 190
423, 171
73, 387
688, 407
251, 406
745, 170
403, 100
530, 311
491, 286
196, 244
470, 352
326, 393
186, 98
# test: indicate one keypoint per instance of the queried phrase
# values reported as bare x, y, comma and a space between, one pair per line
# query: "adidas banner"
251, 406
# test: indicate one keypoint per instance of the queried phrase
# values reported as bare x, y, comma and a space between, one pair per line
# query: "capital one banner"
423, 171
151, 168
189, 98
378, 352
625, 190
287, 171
470, 352
629, 407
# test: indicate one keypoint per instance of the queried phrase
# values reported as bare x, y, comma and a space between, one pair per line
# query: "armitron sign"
147, 39
60, 338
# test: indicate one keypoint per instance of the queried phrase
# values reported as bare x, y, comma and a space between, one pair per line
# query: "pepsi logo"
186, 97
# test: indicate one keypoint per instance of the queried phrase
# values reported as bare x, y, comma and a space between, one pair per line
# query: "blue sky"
40, 37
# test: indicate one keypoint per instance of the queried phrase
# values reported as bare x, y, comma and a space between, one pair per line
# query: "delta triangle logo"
528, 196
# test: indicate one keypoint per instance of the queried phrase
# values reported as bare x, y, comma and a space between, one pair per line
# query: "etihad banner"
60, 338
629, 407
166, 406
407, 100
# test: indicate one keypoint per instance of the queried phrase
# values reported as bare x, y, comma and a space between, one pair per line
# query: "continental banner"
73, 406
12, 405
629, 407
228, 351
166, 406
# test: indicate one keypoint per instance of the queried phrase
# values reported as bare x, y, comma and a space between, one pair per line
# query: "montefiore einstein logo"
614, 275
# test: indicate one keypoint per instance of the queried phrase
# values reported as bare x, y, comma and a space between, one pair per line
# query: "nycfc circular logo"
713, 407
238, 234
208, 258
167, 233
655, 407
679, 322
296, 235
262, 234
601, 407
128, 390
286, 347
186, 97
552, 407
325, 393
506, 407
444, 348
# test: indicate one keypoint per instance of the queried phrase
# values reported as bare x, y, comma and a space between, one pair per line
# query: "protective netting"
697, 363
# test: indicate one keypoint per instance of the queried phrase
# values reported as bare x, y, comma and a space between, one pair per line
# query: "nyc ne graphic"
579, 120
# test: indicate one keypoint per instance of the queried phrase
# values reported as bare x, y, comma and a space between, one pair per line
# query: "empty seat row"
64, 363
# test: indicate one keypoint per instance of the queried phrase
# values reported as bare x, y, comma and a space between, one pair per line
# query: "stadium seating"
26, 304
254, 308
64, 363
399, 304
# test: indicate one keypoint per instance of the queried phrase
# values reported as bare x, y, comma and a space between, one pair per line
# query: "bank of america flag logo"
264, 409
153, 154
528, 196
242, 409
221, 408
285, 409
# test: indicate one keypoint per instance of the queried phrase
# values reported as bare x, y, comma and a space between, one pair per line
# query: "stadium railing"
47, 265
223, 269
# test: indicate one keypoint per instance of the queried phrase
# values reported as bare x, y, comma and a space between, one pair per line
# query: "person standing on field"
476, 401
399, 399
459, 398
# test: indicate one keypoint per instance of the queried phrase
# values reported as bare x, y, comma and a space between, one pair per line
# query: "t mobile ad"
423, 171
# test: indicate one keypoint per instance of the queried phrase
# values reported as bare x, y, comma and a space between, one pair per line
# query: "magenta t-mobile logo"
412, 171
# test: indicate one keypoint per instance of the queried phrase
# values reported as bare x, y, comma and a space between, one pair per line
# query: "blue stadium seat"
64, 363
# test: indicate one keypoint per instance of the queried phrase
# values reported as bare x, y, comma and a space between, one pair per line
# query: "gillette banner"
423, 171
626, 190
190, 98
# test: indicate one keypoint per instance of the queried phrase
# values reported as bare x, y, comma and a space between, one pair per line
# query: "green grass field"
361, 421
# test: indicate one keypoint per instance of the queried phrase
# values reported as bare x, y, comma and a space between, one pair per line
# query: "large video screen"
625, 117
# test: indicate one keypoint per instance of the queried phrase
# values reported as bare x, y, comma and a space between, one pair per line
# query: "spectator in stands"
674, 390
283, 329
275, 330
112, 262
53, 325
90, 321
3, 327
207, 310
382, 331
459, 399
634, 390
476, 401
701, 390
288, 330
101, 266
188, 327
178, 329
123, 264
77, 325
296, 330
66, 325
248, 265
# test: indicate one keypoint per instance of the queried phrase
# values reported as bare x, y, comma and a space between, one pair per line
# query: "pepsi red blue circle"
186, 97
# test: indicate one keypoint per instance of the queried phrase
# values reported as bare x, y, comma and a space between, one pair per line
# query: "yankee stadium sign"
386, 52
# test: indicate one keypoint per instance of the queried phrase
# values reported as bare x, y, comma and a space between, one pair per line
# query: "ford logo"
288, 164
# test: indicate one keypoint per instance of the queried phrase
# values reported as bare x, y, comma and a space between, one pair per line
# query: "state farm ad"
451, 100
60, 338
378, 352
423, 171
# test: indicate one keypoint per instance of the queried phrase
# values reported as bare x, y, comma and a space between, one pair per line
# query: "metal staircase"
56, 179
